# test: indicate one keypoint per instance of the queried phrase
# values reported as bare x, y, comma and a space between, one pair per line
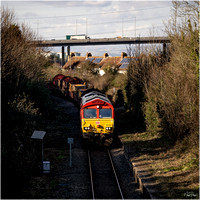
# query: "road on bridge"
102, 41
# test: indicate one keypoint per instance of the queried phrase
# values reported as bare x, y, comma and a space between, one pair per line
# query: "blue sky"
97, 19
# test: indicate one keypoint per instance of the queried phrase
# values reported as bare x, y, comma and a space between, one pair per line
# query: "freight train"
96, 110
71, 87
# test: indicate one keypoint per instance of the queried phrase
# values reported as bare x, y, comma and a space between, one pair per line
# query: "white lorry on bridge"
77, 37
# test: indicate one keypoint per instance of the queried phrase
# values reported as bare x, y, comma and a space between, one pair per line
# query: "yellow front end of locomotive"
100, 126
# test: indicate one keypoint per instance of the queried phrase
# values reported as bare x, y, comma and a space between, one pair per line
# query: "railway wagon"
65, 84
75, 91
75, 87
57, 80
97, 116
70, 86
78, 80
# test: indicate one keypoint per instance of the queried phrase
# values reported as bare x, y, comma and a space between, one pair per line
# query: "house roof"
74, 61
115, 61
101, 61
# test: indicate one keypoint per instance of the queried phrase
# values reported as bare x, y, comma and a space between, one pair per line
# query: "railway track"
104, 181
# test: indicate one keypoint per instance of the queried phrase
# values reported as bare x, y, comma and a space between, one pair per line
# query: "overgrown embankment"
164, 89
163, 97
25, 101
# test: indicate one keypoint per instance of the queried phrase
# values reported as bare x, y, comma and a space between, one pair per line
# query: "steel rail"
91, 176
115, 174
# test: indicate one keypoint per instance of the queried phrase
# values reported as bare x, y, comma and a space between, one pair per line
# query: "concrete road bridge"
101, 41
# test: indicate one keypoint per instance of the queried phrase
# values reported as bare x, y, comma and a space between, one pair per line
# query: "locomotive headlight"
108, 128
86, 128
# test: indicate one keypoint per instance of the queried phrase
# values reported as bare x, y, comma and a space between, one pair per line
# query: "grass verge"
175, 170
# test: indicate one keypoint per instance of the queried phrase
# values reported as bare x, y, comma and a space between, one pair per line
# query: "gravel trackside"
65, 182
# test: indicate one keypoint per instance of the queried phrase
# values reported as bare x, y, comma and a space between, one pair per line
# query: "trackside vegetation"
156, 101
165, 87
163, 97
24, 101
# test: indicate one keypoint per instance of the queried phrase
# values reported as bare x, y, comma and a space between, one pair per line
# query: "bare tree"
20, 59
169, 86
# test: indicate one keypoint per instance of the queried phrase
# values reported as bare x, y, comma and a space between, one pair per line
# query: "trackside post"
70, 141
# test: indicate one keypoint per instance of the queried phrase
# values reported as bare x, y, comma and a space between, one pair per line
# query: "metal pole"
42, 152
91, 176
135, 26
70, 141
38, 28
63, 55
68, 53
76, 26
164, 50
86, 27
70, 162
122, 27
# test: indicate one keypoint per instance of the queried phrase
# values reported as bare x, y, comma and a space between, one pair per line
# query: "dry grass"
175, 171
51, 72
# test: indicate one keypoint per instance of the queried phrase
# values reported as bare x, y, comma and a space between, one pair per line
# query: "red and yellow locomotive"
96, 110
97, 116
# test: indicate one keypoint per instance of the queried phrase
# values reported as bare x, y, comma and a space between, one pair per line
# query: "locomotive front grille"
97, 126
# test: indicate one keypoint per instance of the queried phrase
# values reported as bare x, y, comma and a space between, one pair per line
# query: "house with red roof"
103, 63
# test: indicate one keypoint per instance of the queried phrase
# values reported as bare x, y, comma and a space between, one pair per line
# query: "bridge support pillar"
63, 55
164, 50
68, 53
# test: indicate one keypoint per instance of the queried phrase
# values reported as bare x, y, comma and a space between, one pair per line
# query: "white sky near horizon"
97, 19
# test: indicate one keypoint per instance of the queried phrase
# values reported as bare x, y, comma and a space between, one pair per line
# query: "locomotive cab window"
105, 113
90, 113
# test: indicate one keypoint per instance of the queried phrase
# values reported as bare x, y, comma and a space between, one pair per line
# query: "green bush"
167, 87
23, 103
39, 93
151, 116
